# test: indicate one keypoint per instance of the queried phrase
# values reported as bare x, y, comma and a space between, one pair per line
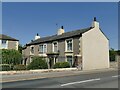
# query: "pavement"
36, 71
107, 78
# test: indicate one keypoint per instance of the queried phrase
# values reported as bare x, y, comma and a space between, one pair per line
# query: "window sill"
44, 54
31, 53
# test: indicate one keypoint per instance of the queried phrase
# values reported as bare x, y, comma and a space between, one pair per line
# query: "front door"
69, 60
51, 62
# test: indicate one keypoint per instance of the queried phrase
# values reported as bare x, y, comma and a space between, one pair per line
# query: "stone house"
88, 47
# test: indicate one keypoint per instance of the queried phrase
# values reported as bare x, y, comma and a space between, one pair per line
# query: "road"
107, 79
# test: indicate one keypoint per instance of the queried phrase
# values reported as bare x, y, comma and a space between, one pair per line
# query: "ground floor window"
31, 59
70, 59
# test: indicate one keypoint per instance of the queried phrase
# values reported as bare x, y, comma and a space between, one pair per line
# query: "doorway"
51, 62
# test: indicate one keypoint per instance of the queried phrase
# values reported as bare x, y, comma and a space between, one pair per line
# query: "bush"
62, 65
65, 65
37, 63
19, 67
11, 56
4, 67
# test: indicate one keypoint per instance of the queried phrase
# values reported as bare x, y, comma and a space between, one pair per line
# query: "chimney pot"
95, 24
61, 27
95, 19
37, 34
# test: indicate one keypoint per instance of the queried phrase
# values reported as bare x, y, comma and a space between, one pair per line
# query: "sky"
23, 21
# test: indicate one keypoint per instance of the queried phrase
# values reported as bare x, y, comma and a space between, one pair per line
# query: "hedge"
62, 65
5, 67
19, 67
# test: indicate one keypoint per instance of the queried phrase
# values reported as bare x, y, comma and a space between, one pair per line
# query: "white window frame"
66, 50
44, 48
53, 46
43, 52
39, 48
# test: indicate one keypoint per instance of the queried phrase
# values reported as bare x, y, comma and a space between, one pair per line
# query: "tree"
112, 54
38, 63
11, 56
118, 52
20, 48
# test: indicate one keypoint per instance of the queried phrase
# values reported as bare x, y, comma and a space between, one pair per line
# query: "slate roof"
58, 37
5, 37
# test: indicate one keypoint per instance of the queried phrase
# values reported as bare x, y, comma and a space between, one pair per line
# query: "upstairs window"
32, 50
55, 47
69, 45
43, 48
4, 43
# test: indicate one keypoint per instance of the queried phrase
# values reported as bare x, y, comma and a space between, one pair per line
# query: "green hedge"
37, 63
62, 65
8, 67
19, 67
5, 67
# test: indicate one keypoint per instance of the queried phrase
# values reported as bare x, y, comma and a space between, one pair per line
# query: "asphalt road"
93, 80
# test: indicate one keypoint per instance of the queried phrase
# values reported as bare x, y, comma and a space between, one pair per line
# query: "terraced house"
88, 47
7, 42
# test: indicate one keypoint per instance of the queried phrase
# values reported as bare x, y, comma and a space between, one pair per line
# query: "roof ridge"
64, 35
6, 37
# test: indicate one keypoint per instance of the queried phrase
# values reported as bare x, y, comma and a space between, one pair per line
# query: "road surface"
94, 80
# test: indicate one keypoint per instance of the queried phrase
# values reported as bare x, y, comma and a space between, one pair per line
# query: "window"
69, 45
4, 43
32, 50
31, 59
69, 60
43, 48
55, 47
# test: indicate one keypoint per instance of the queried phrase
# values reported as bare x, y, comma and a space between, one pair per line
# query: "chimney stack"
60, 31
95, 24
37, 36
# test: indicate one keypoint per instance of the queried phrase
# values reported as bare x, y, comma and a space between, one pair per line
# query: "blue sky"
23, 20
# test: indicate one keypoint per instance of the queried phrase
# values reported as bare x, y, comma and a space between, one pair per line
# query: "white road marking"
80, 82
116, 76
